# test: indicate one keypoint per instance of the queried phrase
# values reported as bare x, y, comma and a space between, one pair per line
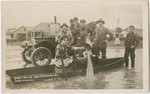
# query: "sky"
33, 13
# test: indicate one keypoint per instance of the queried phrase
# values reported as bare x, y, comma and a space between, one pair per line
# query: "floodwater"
118, 78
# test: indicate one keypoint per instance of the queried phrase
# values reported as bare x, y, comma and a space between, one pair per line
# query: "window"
12, 35
38, 34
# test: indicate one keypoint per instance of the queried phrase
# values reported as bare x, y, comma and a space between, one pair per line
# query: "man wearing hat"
76, 30
64, 32
82, 33
131, 42
76, 20
100, 34
72, 25
81, 37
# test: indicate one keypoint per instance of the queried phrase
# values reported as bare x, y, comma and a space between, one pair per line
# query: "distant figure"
100, 34
117, 39
131, 42
76, 30
64, 32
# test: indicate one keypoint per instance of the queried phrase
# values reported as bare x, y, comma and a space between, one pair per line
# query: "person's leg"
96, 50
132, 55
103, 51
75, 42
126, 55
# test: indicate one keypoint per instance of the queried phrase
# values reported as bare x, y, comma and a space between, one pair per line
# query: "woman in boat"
63, 52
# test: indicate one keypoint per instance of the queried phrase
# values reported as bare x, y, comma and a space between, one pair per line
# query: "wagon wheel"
26, 56
41, 56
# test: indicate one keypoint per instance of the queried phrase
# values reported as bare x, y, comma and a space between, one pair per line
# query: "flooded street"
119, 78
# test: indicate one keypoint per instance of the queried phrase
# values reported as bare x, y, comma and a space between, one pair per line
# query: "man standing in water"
131, 42
100, 34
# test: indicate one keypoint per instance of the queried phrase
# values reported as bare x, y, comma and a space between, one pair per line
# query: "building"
10, 33
44, 29
20, 34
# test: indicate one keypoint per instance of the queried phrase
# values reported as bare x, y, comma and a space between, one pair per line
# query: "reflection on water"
119, 78
131, 79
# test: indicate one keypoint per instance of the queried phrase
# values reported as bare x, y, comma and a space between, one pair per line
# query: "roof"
43, 26
36, 31
26, 29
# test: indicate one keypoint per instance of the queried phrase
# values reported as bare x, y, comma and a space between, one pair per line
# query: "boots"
132, 63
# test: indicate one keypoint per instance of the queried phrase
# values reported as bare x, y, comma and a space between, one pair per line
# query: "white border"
145, 57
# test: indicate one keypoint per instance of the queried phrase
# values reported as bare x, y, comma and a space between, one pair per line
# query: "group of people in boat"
76, 40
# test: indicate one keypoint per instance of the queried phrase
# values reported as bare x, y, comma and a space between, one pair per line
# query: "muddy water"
119, 78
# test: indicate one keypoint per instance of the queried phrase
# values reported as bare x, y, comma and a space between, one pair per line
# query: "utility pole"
118, 22
55, 19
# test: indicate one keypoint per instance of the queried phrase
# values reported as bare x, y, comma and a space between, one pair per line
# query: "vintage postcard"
75, 46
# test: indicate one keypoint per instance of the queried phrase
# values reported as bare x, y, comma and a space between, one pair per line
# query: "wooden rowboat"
51, 72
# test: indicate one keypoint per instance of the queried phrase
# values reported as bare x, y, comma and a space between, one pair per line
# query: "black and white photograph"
95, 46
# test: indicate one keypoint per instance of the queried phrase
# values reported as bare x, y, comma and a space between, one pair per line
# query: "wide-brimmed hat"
64, 24
100, 20
75, 19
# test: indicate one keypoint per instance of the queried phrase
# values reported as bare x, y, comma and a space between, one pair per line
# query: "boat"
51, 72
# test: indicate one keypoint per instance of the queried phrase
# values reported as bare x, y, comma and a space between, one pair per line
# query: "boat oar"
64, 70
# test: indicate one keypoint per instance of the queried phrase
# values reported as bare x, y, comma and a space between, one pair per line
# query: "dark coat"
131, 40
100, 36
81, 37
91, 27
71, 27
76, 31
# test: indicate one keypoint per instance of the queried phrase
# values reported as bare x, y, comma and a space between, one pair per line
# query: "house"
139, 32
20, 34
9, 33
48, 29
